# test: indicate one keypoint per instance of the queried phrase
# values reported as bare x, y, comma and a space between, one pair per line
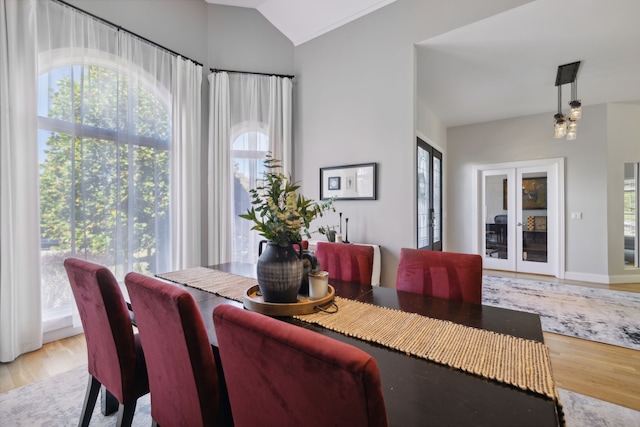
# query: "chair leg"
125, 414
90, 397
108, 402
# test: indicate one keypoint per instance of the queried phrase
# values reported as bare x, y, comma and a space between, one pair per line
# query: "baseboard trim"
59, 334
600, 278
618, 280
586, 277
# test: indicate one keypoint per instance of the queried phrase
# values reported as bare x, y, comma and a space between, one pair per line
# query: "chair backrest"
447, 275
183, 378
500, 219
304, 244
350, 262
281, 374
111, 346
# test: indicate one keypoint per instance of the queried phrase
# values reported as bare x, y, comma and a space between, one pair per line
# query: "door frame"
477, 215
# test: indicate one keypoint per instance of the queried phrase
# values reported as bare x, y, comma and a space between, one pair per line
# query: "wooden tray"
305, 305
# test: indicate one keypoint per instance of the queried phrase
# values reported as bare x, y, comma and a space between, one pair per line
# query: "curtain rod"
119, 28
217, 70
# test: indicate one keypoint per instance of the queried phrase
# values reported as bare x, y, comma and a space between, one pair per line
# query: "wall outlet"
576, 215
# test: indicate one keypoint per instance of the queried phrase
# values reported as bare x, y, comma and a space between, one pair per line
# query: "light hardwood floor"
602, 371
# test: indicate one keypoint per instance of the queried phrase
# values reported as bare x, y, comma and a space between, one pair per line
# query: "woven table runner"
522, 363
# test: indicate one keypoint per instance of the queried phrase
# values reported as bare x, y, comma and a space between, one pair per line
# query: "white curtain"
220, 194
131, 113
186, 227
250, 115
280, 125
20, 314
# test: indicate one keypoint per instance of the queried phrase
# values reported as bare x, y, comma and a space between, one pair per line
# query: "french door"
429, 197
520, 216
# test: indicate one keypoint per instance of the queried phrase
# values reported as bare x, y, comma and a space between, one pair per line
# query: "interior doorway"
519, 216
429, 197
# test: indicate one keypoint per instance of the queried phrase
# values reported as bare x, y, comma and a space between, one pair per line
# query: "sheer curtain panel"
220, 206
250, 117
186, 226
20, 300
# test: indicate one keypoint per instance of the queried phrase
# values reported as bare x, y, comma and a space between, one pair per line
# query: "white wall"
241, 39
177, 25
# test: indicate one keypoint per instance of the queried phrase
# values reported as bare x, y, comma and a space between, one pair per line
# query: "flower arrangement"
279, 213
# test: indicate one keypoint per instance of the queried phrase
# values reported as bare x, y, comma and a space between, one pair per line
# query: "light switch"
576, 215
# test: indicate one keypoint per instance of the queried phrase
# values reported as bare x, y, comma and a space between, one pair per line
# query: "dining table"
418, 391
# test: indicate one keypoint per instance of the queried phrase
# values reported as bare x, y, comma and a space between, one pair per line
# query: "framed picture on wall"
350, 182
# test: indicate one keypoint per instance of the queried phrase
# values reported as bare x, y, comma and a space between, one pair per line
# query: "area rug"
611, 317
57, 402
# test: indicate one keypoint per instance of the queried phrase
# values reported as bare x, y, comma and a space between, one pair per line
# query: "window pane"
102, 99
630, 213
55, 94
248, 170
424, 182
437, 199
55, 216
495, 205
104, 176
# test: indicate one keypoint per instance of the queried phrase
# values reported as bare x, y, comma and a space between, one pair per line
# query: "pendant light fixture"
564, 126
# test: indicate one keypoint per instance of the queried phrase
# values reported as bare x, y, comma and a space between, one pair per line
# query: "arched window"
250, 148
104, 175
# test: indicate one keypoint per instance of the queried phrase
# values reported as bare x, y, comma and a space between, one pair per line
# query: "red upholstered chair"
304, 244
447, 275
280, 374
115, 354
182, 370
353, 263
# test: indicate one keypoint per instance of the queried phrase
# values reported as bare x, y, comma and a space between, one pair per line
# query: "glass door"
519, 217
536, 200
429, 197
497, 237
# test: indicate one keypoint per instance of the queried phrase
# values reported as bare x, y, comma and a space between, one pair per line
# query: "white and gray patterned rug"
57, 402
611, 317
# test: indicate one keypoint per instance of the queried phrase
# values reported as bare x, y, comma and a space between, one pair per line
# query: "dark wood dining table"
419, 392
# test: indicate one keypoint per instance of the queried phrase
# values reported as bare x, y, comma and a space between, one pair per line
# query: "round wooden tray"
254, 302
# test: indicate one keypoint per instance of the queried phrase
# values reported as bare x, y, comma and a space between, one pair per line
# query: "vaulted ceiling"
303, 20
503, 66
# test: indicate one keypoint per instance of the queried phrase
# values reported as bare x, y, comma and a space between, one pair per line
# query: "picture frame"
534, 193
505, 204
540, 223
349, 182
334, 183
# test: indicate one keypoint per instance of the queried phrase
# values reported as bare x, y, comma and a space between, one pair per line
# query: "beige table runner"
522, 363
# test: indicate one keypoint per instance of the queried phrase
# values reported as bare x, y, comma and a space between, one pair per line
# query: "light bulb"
576, 110
572, 130
560, 126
